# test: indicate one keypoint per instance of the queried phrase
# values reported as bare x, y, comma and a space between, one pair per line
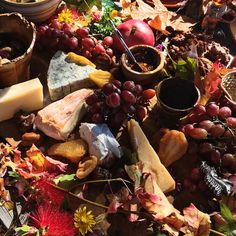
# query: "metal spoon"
120, 37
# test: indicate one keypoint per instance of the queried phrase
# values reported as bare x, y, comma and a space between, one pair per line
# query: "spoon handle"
120, 37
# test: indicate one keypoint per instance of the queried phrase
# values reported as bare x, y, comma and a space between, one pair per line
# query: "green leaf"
64, 178
14, 174
228, 229
25, 230
185, 69
226, 213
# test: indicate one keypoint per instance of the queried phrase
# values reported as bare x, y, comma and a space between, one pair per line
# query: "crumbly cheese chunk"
100, 140
65, 77
26, 96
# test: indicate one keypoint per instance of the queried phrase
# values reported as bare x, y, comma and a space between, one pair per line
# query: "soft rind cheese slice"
149, 158
66, 77
100, 140
26, 96
58, 119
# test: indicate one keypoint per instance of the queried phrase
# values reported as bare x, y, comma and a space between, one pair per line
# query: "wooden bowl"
143, 78
17, 70
177, 97
34, 11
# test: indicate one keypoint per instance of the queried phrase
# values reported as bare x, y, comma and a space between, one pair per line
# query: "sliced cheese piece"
58, 119
64, 77
26, 96
149, 158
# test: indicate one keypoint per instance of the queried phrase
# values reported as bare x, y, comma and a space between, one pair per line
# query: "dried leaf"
114, 205
198, 221
158, 15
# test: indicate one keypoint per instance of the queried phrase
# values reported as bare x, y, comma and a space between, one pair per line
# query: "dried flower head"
51, 221
83, 220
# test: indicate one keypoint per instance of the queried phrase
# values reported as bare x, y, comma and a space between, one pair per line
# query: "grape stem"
217, 121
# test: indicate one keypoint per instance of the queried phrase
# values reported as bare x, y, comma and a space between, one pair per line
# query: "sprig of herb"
230, 228
103, 27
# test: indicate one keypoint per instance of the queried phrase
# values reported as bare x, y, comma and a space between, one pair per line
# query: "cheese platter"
87, 147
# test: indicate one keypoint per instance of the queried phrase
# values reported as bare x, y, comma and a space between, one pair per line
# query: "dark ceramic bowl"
155, 57
177, 97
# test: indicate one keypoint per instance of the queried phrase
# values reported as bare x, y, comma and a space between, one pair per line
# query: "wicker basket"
228, 85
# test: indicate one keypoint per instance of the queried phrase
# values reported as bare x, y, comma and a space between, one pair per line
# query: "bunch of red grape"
215, 128
60, 36
117, 102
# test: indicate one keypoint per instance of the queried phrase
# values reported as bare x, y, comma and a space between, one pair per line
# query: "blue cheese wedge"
100, 140
65, 77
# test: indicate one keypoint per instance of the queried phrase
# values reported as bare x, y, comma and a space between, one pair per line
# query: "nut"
86, 166
30, 138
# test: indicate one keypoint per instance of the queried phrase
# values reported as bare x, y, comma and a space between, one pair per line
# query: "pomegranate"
134, 32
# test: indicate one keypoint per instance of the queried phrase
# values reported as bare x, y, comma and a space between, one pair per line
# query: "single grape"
108, 41
128, 97
215, 156
113, 100
41, 30
86, 53
198, 133
196, 174
109, 52
231, 121
56, 33
72, 43
108, 88
65, 26
138, 89
55, 24
129, 85
82, 32
88, 43
48, 32
225, 112
69, 32
141, 112
192, 147
187, 128
205, 148
64, 39
148, 94
206, 124
99, 49
92, 99
212, 109
97, 118
228, 160
217, 130
199, 109
117, 83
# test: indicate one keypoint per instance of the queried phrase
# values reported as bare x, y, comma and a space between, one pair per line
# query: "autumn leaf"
198, 221
159, 17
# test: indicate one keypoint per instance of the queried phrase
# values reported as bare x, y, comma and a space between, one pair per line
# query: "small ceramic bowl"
33, 11
147, 54
177, 97
15, 26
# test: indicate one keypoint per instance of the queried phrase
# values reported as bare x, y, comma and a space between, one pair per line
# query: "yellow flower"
65, 16
83, 220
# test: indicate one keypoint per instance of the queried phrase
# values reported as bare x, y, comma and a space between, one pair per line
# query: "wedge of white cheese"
26, 96
100, 140
65, 77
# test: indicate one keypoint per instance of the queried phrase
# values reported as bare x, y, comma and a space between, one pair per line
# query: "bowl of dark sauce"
177, 97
